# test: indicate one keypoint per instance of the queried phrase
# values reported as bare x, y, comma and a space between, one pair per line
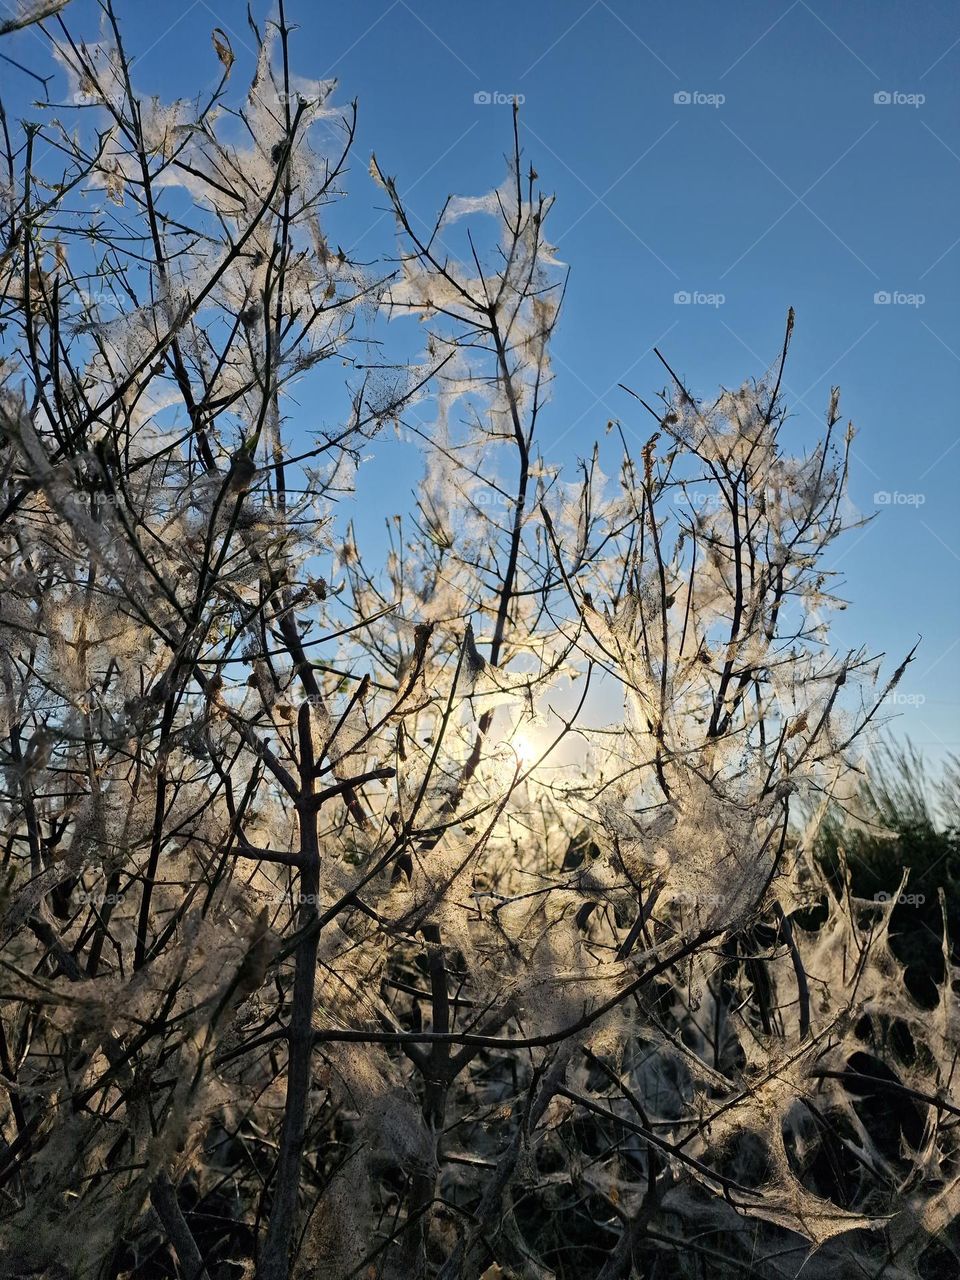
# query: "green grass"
907, 818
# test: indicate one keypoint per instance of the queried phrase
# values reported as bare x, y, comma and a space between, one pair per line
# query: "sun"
525, 747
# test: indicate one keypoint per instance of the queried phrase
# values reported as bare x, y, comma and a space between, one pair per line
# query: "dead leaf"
221, 43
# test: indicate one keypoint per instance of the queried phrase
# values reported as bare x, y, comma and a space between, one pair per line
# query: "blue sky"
782, 181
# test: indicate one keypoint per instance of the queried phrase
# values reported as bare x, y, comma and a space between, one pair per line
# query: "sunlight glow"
526, 747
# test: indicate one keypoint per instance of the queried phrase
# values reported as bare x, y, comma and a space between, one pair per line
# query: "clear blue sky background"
798, 189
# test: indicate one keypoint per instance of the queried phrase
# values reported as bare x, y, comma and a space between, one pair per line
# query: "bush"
341, 933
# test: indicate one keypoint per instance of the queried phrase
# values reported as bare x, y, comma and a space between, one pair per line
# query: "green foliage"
907, 821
